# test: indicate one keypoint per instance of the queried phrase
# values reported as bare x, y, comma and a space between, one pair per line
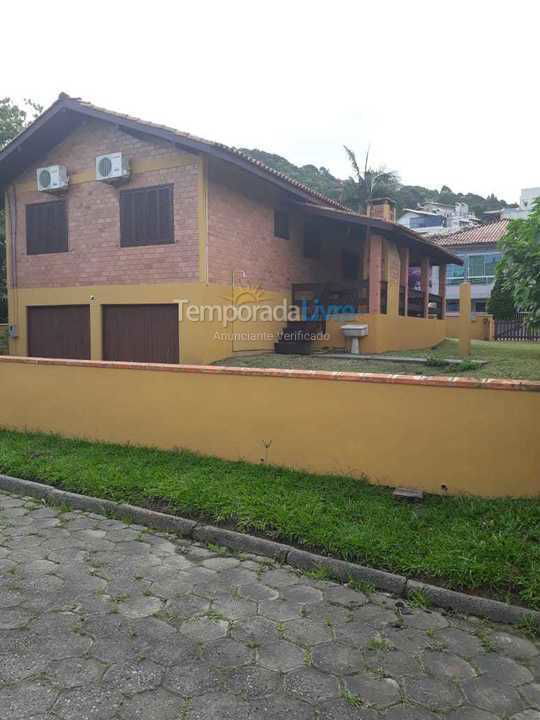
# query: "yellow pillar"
465, 319
425, 270
96, 340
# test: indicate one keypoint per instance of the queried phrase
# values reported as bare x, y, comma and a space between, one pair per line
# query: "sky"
443, 93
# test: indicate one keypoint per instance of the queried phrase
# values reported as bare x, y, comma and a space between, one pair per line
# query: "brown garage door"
60, 331
141, 333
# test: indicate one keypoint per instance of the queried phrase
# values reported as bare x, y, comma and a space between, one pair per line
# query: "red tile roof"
481, 235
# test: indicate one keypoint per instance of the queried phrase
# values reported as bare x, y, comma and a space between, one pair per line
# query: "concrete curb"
339, 569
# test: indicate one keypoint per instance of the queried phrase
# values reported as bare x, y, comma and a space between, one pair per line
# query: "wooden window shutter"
46, 228
146, 216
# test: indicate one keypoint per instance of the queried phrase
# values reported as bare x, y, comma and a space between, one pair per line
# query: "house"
478, 249
526, 205
434, 218
152, 231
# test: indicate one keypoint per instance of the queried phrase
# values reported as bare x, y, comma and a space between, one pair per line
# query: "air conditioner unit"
52, 178
112, 167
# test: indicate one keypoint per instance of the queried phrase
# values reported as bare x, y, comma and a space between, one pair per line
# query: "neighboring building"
433, 218
526, 204
110, 267
477, 247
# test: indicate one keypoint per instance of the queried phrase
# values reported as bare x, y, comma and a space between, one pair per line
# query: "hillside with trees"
347, 191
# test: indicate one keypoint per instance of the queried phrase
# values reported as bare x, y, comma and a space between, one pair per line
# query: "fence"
515, 329
455, 435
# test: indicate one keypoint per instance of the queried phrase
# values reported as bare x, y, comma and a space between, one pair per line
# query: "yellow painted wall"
481, 327
474, 441
387, 332
200, 342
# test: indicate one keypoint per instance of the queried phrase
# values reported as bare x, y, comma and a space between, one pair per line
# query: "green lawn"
491, 547
504, 360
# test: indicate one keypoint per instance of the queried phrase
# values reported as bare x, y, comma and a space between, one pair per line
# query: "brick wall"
241, 238
95, 255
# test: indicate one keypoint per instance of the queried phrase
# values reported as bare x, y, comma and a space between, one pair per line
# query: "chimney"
382, 208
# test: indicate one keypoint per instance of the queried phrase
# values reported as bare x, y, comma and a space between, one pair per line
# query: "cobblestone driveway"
102, 620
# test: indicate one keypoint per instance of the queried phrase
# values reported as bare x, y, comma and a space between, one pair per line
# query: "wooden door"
141, 333
59, 331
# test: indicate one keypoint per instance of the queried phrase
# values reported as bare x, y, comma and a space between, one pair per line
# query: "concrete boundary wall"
455, 435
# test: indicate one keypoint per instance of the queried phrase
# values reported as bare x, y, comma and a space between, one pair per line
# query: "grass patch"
489, 547
504, 360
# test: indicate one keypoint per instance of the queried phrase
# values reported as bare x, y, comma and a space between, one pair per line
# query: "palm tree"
370, 182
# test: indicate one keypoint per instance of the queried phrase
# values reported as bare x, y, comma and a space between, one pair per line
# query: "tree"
520, 264
368, 183
13, 119
501, 303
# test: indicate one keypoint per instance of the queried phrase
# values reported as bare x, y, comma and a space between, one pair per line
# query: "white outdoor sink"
355, 332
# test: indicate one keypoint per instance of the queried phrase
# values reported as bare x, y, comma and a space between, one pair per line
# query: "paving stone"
140, 606
513, 646
234, 608
303, 594
459, 642
292, 647
489, 694
306, 632
379, 692
311, 685
134, 677
446, 665
94, 703
204, 629
185, 607
280, 655
228, 653
159, 704
344, 710
467, 712
280, 578
220, 563
75, 672
337, 658
342, 595
219, 706
410, 712
433, 693
255, 631
279, 707
531, 693
503, 669
194, 678
280, 610
252, 681
257, 592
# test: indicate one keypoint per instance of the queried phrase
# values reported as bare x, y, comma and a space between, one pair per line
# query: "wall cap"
442, 381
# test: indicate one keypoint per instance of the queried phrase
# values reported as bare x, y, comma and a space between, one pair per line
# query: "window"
146, 216
350, 263
281, 224
426, 221
452, 306
312, 242
46, 228
481, 268
455, 274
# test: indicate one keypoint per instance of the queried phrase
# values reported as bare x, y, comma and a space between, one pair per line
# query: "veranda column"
442, 289
375, 271
404, 256
424, 283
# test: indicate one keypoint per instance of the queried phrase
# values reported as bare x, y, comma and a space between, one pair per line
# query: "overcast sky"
445, 93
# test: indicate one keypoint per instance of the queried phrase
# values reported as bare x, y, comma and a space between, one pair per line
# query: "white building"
434, 218
526, 204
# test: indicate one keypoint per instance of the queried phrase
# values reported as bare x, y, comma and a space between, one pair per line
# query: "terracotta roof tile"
481, 235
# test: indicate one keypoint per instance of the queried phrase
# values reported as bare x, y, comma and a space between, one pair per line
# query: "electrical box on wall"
13, 332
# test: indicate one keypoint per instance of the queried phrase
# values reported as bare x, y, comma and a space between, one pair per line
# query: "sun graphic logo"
246, 296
